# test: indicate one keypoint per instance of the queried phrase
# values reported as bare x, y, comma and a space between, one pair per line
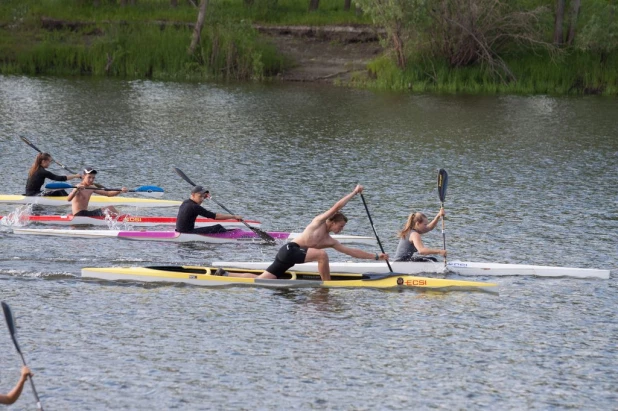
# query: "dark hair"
37, 162
337, 217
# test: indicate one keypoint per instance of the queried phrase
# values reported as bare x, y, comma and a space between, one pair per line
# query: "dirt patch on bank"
324, 54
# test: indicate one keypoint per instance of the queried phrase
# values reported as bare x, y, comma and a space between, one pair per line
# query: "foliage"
570, 73
432, 45
468, 31
600, 33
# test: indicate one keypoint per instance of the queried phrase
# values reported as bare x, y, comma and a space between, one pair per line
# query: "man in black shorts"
309, 246
80, 196
191, 208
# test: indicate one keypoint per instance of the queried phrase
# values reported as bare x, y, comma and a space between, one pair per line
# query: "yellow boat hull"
203, 276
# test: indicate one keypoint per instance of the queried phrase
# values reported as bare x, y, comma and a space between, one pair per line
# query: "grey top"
405, 249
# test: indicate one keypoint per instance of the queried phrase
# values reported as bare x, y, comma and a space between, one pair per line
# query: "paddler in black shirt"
191, 208
38, 174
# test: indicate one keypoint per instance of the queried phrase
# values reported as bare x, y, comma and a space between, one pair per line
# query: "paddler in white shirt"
310, 245
80, 197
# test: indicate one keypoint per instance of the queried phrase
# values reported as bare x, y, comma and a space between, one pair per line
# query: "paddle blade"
442, 184
58, 186
25, 140
184, 176
10, 322
150, 191
263, 234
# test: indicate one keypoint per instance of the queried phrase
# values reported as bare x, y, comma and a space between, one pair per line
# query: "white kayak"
457, 267
95, 201
231, 236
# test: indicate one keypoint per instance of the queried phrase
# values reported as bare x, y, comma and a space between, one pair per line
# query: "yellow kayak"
204, 276
95, 201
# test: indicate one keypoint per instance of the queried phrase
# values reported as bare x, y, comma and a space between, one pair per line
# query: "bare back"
316, 235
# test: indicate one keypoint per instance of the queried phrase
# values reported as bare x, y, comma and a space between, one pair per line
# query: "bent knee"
267, 275
322, 256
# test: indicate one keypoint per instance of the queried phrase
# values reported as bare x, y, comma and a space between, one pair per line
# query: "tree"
573, 16
197, 30
313, 5
402, 20
600, 32
559, 22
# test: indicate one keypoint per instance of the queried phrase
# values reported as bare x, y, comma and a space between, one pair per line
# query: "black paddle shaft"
374, 230
442, 185
263, 234
10, 322
25, 140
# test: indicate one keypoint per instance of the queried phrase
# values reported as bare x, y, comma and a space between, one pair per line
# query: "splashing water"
113, 223
17, 218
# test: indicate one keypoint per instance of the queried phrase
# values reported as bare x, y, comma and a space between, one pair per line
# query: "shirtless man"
80, 196
309, 246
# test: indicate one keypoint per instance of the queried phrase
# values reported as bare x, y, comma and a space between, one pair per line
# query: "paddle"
263, 234
442, 183
150, 191
8, 315
374, 231
25, 140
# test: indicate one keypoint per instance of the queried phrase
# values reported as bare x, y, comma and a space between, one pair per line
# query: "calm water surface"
531, 180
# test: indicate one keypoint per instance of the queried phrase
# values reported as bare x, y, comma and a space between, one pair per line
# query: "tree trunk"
313, 5
346, 5
398, 43
197, 31
574, 14
174, 3
558, 22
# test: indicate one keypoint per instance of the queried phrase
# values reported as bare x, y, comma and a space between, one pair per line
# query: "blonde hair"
413, 220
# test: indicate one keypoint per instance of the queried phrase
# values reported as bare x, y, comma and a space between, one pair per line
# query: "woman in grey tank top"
410, 242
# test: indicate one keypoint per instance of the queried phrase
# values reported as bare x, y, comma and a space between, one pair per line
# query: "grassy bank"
150, 40
570, 73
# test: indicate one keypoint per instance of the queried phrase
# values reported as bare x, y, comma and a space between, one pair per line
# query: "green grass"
131, 42
291, 12
571, 73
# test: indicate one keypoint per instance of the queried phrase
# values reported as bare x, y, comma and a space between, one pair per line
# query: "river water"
532, 180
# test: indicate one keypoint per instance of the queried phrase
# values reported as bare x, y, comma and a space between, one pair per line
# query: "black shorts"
90, 213
213, 229
55, 193
288, 255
